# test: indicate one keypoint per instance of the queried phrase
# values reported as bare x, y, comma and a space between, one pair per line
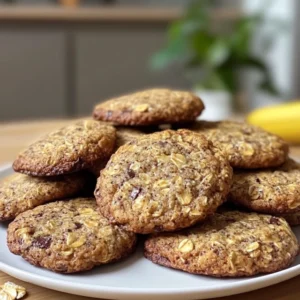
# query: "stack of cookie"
165, 183
59, 235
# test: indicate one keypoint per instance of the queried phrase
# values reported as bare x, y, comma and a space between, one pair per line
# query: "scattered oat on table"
11, 291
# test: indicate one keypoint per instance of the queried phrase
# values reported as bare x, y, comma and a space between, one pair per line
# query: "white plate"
135, 277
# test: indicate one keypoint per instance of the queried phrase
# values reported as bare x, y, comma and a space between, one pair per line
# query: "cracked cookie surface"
154, 106
163, 181
20, 192
247, 146
274, 190
231, 244
68, 236
67, 150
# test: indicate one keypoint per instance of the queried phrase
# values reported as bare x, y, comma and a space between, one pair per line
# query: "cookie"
274, 190
293, 219
68, 236
126, 135
231, 244
247, 146
163, 182
67, 150
154, 106
20, 192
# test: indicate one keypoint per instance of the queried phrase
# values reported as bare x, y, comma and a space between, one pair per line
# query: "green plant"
217, 54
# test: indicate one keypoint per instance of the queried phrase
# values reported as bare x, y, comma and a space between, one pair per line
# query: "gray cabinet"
113, 59
32, 73
66, 69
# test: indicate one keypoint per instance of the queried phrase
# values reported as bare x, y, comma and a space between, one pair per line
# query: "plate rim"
218, 290
250, 284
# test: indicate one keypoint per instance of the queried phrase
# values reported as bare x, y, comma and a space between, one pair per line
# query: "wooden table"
14, 136
100, 13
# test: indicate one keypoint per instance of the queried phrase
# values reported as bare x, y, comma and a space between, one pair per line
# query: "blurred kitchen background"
59, 58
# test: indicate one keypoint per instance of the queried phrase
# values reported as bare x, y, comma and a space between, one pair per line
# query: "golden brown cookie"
163, 181
67, 150
274, 191
154, 106
68, 236
247, 146
20, 192
231, 244
126, 135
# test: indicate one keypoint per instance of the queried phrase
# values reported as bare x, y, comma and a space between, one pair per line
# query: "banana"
282, 119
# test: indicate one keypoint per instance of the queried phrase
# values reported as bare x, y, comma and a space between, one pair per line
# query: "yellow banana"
282, 119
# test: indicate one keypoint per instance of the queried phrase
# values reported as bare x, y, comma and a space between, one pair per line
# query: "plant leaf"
218, 52
267, 83
243, 34
175, 51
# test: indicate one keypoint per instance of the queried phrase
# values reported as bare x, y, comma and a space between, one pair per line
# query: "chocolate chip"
216, 251
274, 220
78, 225
42, 242
162, 143
158, 228
195, 193
135, 192
131, 173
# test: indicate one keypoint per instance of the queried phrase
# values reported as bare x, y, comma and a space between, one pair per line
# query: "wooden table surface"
14, 136
117, 13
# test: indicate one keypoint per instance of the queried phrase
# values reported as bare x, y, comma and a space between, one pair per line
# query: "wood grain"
100, 14
14, 136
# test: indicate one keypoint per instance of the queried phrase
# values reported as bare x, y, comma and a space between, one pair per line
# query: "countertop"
14, 136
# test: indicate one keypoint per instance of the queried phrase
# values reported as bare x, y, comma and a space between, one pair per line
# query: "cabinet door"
32, 73
114, 59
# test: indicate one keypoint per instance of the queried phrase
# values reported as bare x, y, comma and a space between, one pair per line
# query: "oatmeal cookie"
163, 181
67, 150
68, 236
154, 106
274, 190
247, 146
20, 192
126, 135
231, 244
